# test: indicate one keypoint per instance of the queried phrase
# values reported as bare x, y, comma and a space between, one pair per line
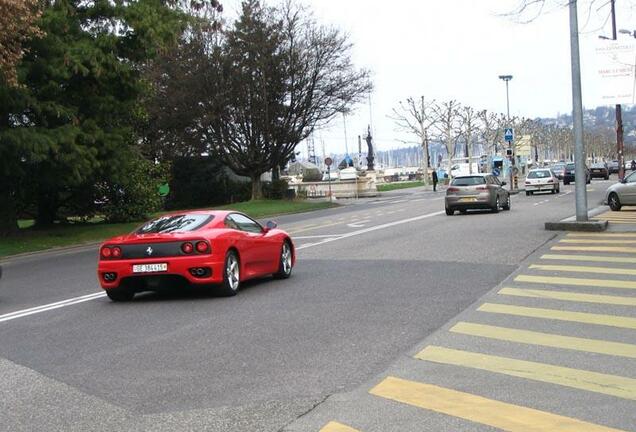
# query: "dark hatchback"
569, 174
599, 170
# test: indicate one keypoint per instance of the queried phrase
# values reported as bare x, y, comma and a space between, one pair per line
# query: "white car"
540, 180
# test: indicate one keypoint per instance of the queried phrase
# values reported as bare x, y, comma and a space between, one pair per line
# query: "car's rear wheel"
527, 193
231, 274
614, 202
495, 209
565, 182
121, 294
449, 211
506, 206
285, 262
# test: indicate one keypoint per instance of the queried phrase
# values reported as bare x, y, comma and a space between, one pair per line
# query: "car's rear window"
570, 166
174, 223
598, 165
539, 174
469, 181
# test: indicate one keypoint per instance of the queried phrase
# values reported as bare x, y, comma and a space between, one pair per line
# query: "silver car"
541, 179
623, 193
476, 191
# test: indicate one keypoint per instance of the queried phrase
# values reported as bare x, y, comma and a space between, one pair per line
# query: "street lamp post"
507, 78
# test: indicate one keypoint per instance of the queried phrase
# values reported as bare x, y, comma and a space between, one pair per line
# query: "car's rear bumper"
177, 266
479, 202
543, 187
599, 174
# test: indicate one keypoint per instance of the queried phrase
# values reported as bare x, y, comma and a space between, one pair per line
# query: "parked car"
569, 174
540, 180
476, 191
612, 167
558, 169
622, 193
599, 170
198, 248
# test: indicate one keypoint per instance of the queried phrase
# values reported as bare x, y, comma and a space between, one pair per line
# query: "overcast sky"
456, 49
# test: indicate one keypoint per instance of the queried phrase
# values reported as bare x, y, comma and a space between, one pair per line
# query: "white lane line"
314, 236
89, 297
399, 201
51, 306
373, 228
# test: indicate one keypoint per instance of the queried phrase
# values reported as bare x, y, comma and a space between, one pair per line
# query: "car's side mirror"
270, 226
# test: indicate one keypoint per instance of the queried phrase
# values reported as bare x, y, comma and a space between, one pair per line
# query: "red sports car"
198, 247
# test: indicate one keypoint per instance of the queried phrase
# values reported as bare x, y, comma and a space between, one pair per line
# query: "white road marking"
101, 294
51, 306
315, 236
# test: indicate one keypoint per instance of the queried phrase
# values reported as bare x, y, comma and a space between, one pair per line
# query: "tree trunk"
257, 187
47, 209
426, 163
8, 215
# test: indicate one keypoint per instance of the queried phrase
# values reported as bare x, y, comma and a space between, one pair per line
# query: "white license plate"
467, 199
150, 268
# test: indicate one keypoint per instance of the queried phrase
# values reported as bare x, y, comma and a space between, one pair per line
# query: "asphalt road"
374, 278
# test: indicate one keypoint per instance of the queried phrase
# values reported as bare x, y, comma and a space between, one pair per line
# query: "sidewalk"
553, 348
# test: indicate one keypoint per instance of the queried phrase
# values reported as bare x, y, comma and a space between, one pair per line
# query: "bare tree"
469, 130
417, 118
447, 126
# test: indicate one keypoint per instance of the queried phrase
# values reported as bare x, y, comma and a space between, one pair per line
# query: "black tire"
606, 177
231, 274
566, 182
527, 193
121, 294
495, 209
449, 211
506, 206
614, 202
285, 261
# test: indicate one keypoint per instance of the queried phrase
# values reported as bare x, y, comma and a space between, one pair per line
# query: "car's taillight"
453, 189
482, 188
187, 248
116, 252
202, 247
528, 183
550, 181
106, 252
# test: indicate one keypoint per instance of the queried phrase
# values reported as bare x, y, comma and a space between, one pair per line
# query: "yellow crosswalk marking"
569, 296
609, 235
561, 315
620, 221
585, 269
612, 385
590, 258
597, 241
598, 283
617, 249
337, 427
613, 217
477, 409
546, 339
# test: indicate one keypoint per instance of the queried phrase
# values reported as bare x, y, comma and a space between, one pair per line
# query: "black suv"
568, 174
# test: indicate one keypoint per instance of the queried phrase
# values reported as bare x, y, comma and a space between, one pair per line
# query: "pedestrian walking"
434, 181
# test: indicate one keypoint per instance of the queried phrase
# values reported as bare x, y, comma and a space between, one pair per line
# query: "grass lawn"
399, 185
31, 240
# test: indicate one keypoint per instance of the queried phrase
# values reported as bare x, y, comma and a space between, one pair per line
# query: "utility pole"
619, 112
580, 175
507, 78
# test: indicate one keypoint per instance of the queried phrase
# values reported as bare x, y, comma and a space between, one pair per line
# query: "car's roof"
215, 213
473, 175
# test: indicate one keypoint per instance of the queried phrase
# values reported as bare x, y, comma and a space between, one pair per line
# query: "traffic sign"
496, 172
509, 134
328, 161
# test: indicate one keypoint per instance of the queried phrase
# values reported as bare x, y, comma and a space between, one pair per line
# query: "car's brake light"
484, 188
187, 248
453, 189
550, 181
116, 252
202, 247
528, 183
106, 252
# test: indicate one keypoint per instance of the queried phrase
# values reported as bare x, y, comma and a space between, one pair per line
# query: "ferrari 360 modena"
203, 248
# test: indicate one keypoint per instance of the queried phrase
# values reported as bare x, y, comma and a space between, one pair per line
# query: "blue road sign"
509, 134
496, 172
